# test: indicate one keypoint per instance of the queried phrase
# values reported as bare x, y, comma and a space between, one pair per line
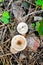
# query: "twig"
5, 55
24, 18
4, 35
9, 4
7, 41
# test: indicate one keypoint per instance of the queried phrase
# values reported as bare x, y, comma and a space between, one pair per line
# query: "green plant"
1, 0
33, 25
39, 3
39, 27
5, 17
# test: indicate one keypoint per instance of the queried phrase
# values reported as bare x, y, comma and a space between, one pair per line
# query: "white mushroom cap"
19, 42
12, 50
22, 28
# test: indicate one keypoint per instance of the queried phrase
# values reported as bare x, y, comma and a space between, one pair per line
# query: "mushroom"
12, 50
18, 43
22, 28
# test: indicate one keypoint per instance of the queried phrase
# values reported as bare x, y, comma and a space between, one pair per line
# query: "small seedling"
39, 27
33, 25
1, 0
4, 20
5, 17
5, 14
39, 3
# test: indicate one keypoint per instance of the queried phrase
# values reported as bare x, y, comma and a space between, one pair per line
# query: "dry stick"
3, 60
17, 2
10, 61
7, 61
33, 12
1, 49
2, 25
18, 60
7, 41
25, 17
31, 3
5, 55
11, 33
9, 4
29, 21
15, 57
4, 35
37, 57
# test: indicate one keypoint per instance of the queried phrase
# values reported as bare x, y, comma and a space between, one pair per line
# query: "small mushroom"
12, 50
18, 43
22, 28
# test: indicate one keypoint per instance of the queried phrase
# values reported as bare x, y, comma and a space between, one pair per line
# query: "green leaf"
37, 26
42, 6
5, 14
5, 17
41, 28
1, 0
39, 3
33, 25
4, 20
